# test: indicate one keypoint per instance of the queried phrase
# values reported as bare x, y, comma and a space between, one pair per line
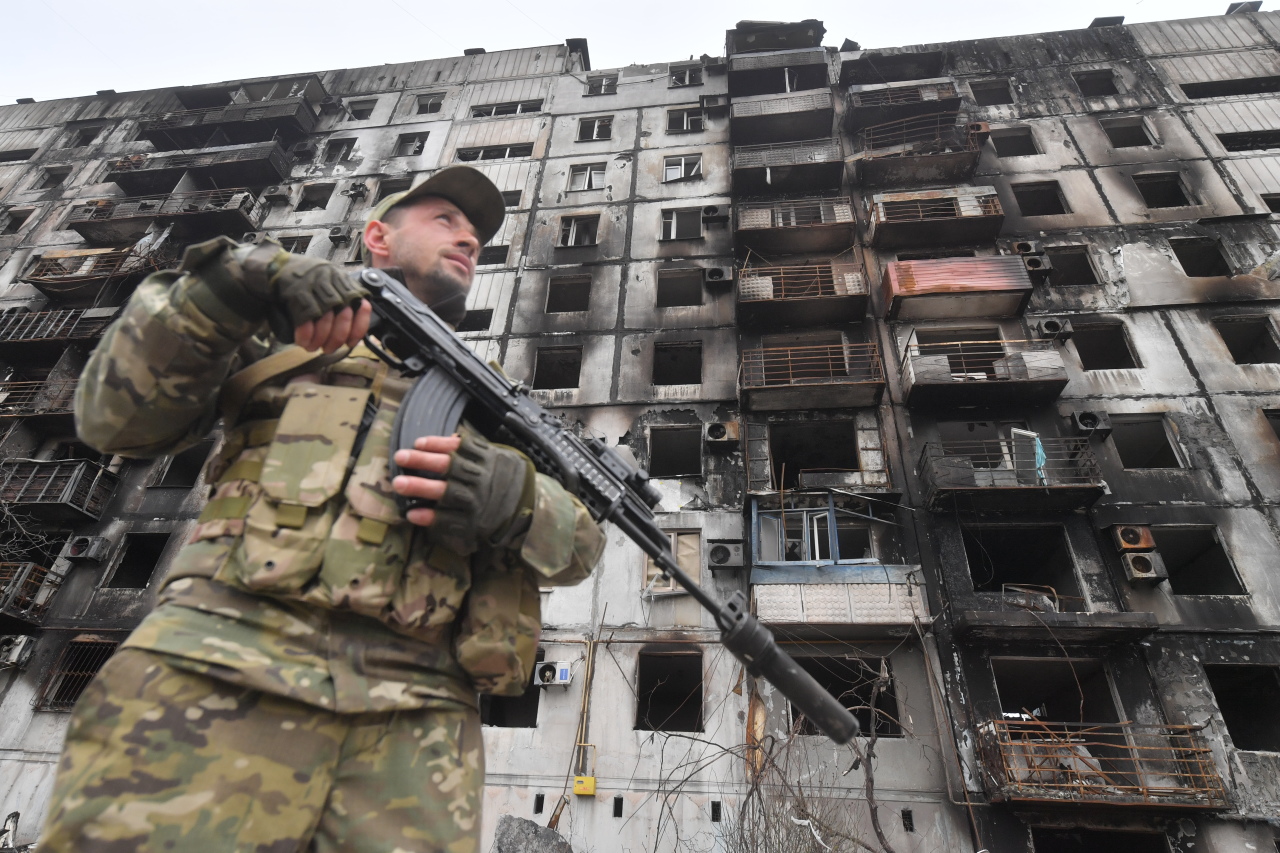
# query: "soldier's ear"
375, 239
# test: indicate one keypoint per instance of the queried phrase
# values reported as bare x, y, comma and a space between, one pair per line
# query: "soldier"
308, 679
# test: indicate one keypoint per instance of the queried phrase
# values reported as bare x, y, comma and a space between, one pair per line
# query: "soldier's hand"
430, 453
334, 330
311, 290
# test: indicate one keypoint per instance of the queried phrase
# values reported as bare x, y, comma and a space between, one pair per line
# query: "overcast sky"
64, 48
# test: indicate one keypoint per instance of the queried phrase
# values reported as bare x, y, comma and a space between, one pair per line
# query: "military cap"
468, 188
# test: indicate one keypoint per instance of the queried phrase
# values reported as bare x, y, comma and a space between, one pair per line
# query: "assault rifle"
452, 379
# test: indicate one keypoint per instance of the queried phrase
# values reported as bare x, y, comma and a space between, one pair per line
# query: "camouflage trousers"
161, 759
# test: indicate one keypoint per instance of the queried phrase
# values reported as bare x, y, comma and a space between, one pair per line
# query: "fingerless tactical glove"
488, 497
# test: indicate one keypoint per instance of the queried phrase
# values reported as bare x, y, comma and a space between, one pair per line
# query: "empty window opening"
410, 144
17, 155
987, 445
908, 821
1199, 257
510, 108
682, 224
1096, 84
514, 712
715, 811
339, 150
1272, 202
429, 103
1070, 266
590, 129
184, 468
1126, 132
678, 288
1143, 442
677, 364
586, 176
141, 554
675, 451
568, 293
54, 177
1055, 690
315, 197
496, 152
686, 167
1273, 420
493, 255
539, 801
1043, 198
602, 84
76, 667
1253, 140
687, 546
360, 110
1080, 840
477, 320
814, 536
1231, 88
578, 230
1103, 347
83, 136
690, 75
388, 186
852, 680
991, 93
511, 198
1251, 340
1196, 561
617, 806
971, 354
1248, 695
557, 367
893, 68
1162, 190
668, 694
684, 121
812, 446
1029, 568
12, 222
1014, 142
296, 245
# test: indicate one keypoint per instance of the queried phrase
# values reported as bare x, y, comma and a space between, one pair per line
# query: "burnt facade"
961, 358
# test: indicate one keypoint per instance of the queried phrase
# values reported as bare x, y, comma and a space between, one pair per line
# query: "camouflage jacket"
301, 578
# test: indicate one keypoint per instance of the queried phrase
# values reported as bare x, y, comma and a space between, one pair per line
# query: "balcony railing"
26, 591
903, 95
787, 154
994, 472
801, 213
254, 111
1117, 764
244, 153
36, 326
825, 364
1031, 366
166, 206
24, 399
777, 59
919, 136
934, 208
78, 275
61, 490
758, 106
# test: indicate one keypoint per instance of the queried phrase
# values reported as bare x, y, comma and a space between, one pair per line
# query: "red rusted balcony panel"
945, 288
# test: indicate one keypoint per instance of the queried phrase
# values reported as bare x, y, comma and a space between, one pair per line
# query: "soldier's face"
435, 245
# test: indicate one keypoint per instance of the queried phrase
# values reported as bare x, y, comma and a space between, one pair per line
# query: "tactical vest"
303, 506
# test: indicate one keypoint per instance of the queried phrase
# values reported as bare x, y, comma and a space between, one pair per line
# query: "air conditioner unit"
1054, 329
717, 276
1013, 246
714, 104
724, 553
275, 192
979, 131
715, 215
553, 673
1038, 266
250, 236
1092, 423
357, 190
720, 433
86, 548
1144, 567
340, 234
1133, 537
330, 103
15, 650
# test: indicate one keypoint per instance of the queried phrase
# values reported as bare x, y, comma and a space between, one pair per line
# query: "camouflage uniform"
308, 679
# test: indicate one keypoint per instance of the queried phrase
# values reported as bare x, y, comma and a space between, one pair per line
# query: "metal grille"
1018, 462
81, 485
50, 326
902, 95
21, 399
174, 204
26, 590
806, 102
924, 209
76, 667
800, 213
1118, 763
983, 361
786, 154
260, 151
802, 282
914, 137
811, 365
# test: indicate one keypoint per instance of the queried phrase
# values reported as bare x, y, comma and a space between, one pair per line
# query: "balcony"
778, 72
950, 217
796, 226
883, 102
862, 600
69, 490
787, 167
750, 37
193, 215
1030, 613
760, 119
1118, 764
955, 288
826, 376
41, 335
802, 295
26, 591
928, 149
1025, 472
288, 119
38, 400
247, 165
78, 276
937, 372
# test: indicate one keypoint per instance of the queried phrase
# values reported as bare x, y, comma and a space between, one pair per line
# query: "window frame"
608, 85
507, 108
688, 167
596, 123
686, 75
671, 219
480, 154
353, 104
687, 113
428, 99
569, 226
587, 170
651, 576
418, 140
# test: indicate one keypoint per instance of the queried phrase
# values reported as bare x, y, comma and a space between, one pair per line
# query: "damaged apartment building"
961, 359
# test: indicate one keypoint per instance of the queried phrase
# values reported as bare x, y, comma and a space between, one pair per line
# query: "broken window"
1096, 84
1014, 142
477, 320
683, 224
679, 287
684, 121
315, 197
669, 692
814, 536
568, 293
410, 144
137, 564
586, 176
389, 186
1196, 561
511, 198
852, 680
1103, 347
602, 84
1126, 132
682, 168
1273, 204
76, 667
12, 222
1231, 88
1070, 266
971, 353
1253, 140
493, 255
1030, 567
513, 712
296, 245
1200, 257
578, 230
600, 127
1163, 189
17, 155
1055, 689
686, 545
54, 177
184, 468
495, 152
557, 367
689, 75
991, 93
829, 446
675, 451
360, 110
1248, 695
1251, 340
429, 103
339, 150
989, 445
1042, 198
510, 108
1143, 442
677, 363
1081, 840
82, 136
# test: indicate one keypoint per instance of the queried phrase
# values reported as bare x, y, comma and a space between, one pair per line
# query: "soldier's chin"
443, 292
